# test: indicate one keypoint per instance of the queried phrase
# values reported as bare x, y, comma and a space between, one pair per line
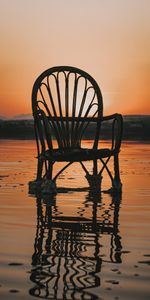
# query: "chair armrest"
117, 130
111, 117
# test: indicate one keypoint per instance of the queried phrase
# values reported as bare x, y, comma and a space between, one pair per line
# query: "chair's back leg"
95, 170
117, 182
94, 179
49, 171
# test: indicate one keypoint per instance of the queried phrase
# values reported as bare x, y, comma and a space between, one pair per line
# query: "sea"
79, 243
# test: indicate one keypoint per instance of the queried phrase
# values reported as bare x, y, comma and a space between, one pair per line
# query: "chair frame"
69, 129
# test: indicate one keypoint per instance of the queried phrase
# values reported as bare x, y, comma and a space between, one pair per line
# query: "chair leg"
49, 171
45, 184
39, 169
95, 167
35, 185
117, 185
94, 179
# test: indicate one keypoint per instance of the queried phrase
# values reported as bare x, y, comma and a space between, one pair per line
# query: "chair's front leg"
35, 185
45, 184
39, 169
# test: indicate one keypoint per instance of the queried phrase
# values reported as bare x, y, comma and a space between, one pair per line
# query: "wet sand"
54, 249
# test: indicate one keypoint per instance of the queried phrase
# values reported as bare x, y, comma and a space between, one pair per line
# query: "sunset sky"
110, 39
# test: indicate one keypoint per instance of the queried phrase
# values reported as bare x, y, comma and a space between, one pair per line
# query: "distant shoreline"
136, 128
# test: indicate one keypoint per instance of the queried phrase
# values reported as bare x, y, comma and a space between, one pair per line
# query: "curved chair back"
70, 99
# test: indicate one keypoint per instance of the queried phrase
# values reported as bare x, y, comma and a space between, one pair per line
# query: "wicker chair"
66, 101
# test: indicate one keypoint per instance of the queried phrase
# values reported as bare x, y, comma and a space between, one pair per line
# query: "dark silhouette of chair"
67, 260
67, 105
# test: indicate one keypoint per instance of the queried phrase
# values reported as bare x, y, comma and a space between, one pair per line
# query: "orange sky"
110, 39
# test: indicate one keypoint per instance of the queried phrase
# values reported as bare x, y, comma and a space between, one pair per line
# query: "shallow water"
76, 245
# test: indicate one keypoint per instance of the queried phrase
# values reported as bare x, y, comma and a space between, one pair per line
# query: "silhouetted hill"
136, 127
17, 117
23, 117
16, 129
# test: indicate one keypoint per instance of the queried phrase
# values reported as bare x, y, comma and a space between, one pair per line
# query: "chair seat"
81, 154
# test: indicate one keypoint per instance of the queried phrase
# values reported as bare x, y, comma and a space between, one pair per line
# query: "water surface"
76, 245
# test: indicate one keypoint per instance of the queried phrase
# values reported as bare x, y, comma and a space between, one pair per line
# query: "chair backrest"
70, 99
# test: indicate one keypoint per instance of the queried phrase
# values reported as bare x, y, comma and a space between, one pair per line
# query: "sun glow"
111, 41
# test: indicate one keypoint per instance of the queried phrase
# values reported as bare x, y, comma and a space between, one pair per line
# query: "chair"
67, 104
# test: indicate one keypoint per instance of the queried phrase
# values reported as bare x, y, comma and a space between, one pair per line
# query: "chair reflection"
67, 259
